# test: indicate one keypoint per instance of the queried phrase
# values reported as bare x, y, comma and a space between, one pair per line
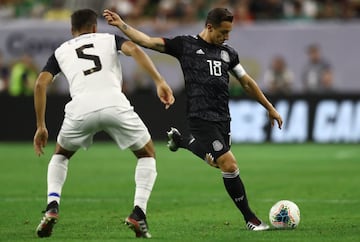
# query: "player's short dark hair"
218, 15
83, 19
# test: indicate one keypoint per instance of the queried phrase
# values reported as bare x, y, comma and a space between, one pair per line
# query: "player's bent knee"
61, 151
228, 167
227, 162
147, 151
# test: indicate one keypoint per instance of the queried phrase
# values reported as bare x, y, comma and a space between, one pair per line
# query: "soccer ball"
284, 214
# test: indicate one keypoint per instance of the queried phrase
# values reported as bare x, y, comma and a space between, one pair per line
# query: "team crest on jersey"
217, 145
225, 56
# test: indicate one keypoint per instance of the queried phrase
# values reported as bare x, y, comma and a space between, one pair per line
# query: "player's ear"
94, 28
72, 31
209, 27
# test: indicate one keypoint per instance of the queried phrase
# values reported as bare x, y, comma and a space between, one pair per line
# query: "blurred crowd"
186, 11
17, 78
317, 74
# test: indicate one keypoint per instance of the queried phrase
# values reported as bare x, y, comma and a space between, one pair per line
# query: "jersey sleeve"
236, 68
173, 46
119, 41
52, 66
234, 59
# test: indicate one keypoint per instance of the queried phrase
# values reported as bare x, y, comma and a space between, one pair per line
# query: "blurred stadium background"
326, 110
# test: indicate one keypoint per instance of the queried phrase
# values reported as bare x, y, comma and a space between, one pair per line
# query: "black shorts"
214, 136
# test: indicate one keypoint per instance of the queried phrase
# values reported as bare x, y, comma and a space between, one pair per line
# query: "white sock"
145, 176
56, 175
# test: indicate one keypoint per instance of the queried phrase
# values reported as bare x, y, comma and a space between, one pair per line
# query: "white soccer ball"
284, 214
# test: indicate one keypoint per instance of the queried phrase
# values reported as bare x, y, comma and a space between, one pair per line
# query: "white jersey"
90, 63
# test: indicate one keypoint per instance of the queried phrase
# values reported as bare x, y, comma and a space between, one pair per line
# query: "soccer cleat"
260, 227
50, 218
174, 139
137, 222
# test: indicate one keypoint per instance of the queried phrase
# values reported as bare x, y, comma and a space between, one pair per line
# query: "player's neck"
81, 31
205, 36
77, 34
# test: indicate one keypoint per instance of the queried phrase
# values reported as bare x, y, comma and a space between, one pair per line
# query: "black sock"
236, 190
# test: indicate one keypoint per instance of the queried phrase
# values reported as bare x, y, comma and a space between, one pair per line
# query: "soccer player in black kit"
206, 62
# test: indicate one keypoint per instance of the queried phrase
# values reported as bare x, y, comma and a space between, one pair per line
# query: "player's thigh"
125, 128
213, 136
79, 132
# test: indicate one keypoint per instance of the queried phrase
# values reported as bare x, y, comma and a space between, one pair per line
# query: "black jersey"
206, 72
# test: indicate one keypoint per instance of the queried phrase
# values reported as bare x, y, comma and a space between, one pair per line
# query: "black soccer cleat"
174, 139
137, 222
50, 218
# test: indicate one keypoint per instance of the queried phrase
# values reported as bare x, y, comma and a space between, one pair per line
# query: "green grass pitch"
189, 202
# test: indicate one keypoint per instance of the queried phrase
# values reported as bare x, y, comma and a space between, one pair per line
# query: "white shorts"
124, 127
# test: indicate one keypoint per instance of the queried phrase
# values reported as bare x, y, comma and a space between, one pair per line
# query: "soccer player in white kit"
90, 63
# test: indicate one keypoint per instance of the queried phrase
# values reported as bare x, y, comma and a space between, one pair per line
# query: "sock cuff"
147, 162
59, 158
230, 174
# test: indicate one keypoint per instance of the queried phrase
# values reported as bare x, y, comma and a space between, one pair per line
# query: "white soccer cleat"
261, 227
174, 139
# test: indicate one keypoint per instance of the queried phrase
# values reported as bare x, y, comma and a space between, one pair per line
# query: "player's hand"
210, 160
274, 115
112, 18
165, 94
40, 140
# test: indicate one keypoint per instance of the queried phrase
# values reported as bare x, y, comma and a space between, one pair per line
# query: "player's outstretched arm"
164, 92
253, 90
140, 38
41, 134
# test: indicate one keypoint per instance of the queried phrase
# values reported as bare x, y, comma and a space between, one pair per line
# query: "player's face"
221, 33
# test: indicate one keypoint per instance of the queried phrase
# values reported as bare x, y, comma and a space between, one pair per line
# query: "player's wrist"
41, 126
159, 81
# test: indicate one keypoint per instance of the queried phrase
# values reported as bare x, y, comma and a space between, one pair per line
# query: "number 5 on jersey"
80, 53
